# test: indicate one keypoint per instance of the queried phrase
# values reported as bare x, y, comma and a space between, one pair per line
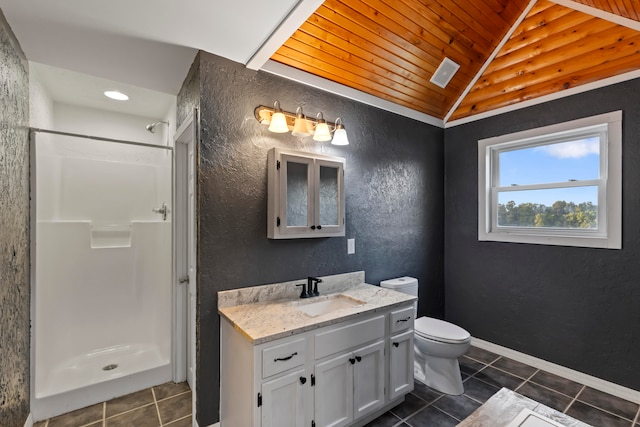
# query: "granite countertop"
261, 320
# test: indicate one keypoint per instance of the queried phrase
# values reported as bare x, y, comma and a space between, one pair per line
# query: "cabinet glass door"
298, 201
297, 194
329, 176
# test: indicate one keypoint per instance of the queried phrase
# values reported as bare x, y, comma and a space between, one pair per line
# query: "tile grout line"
574, 399
175, 421
175, 395
527, 380
606, 411
155, 401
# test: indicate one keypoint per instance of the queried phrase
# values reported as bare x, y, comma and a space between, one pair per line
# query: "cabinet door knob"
303, 380
358, 358
395, 344
353, 361
319, 227
313, 227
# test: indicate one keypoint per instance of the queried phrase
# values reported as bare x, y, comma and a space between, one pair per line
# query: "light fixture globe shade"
340, 137
278, 123
301, 127
322, 132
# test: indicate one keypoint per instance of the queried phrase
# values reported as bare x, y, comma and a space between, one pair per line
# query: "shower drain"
110, 367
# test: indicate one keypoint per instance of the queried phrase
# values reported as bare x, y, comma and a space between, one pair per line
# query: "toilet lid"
439, 330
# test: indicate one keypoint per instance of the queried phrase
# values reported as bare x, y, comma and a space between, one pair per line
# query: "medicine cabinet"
306, 195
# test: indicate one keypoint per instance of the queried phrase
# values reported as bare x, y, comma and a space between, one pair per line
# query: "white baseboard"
579, 377
29, 422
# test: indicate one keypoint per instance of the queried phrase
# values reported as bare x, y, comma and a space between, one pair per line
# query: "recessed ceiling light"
114, 94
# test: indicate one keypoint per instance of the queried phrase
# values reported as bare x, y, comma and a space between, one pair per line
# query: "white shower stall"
102, 294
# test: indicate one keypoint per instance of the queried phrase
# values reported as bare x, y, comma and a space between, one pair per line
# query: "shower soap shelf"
110, 236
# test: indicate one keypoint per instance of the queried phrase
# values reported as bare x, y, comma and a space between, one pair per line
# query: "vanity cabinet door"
368, 379
401, 364
329, 206
297, 195
284, 400
334, 391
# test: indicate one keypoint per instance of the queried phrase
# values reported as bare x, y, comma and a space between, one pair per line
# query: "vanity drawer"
347, 337
279, 358
401, 319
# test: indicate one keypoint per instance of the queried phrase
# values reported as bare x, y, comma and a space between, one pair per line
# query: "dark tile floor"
168, 405
484, 373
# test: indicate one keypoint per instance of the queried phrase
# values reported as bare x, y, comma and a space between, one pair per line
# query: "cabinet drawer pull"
395, 344
282, 359
403, 320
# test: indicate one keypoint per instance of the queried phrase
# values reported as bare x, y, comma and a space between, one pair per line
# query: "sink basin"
327, 304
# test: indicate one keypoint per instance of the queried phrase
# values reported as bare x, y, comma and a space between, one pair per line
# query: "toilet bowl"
437, 345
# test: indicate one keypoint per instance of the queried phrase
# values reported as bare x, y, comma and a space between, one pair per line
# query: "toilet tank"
406, 285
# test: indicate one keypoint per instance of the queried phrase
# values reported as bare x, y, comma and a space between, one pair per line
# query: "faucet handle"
304, 293
314, 281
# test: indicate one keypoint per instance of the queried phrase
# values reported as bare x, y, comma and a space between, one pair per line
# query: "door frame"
184, 308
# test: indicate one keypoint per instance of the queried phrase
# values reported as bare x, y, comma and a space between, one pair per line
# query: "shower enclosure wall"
102, 311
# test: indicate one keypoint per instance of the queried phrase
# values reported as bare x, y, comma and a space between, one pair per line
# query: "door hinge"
313, 380
259, 400
183, 279
278, 222
278, 165
313, 423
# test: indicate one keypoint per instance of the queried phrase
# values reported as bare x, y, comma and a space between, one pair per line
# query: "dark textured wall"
577, 307
14, 232
394, 196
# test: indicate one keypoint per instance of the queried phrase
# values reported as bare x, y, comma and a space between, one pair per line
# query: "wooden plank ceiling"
391, 48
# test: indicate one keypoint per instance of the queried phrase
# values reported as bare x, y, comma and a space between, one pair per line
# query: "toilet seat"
439, 330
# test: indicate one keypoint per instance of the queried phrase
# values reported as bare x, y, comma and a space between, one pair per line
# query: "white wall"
108, 124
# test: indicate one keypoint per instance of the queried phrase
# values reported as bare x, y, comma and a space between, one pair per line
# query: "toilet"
437, 345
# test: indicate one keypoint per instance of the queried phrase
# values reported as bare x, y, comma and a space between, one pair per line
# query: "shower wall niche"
102, 289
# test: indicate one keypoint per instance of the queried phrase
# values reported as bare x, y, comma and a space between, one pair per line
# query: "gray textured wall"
394, 196
577, 307
14, 232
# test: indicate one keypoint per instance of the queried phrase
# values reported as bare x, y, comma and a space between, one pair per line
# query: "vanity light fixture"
280, 121
301, 126
322, 132
339, 134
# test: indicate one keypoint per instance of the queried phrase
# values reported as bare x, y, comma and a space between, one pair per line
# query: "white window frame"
609, 232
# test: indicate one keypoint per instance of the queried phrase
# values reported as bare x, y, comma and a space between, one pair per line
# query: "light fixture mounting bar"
263, 115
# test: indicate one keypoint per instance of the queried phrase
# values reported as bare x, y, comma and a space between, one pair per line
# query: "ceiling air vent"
444, 73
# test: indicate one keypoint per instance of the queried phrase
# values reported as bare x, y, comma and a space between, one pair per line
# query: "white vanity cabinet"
350, 382
342, 374
401, 352
305, 195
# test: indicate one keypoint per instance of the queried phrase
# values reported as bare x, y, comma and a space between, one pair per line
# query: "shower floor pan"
99, 366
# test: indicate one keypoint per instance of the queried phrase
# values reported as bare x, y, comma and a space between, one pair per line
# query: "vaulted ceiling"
508, 50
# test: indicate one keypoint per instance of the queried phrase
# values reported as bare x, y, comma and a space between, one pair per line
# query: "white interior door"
186, 252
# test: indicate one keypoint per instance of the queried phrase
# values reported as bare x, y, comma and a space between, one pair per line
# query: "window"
556, 185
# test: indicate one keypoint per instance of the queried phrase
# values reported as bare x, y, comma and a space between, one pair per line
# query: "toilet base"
440, 374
